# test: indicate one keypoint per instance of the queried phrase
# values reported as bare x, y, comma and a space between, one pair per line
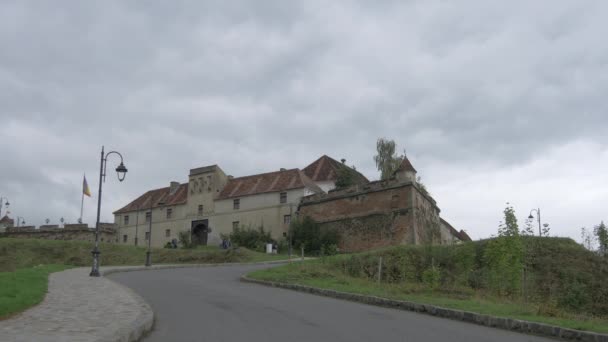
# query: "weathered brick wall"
377, 214
372, 231
426, 219
367, 217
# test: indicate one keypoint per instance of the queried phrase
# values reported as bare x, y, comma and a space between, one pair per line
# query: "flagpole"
81, 206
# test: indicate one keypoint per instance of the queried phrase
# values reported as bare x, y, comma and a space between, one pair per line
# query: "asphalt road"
211, 304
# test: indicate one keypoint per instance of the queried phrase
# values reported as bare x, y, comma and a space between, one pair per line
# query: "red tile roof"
7, 220
267, 182
157, 197
406, 165
326, 169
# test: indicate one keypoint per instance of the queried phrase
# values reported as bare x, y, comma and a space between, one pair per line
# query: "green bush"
309, 235
431, 277
184, 239
255, 239
559, 273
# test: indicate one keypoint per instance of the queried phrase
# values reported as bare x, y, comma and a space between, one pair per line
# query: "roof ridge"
263, 173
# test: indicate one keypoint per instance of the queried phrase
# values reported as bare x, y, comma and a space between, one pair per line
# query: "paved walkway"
81, 308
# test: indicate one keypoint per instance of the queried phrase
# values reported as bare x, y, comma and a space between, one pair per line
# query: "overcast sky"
494, 101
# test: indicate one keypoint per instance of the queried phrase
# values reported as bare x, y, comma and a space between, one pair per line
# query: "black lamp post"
137, 225
149, 251
531, 217
6, 204
121, 171
20, 220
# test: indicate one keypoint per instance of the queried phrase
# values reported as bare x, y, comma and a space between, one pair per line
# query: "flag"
85, 187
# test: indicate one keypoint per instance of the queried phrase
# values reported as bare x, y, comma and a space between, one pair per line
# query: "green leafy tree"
308, 234
344, 177
601, 233
387, 161
529, 228
509, 227
504, 256
587, 239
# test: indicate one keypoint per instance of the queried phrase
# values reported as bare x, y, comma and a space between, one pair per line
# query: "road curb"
516, 325
144, 321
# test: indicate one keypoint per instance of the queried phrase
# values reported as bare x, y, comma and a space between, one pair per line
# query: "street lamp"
137, 224
121, 171
2, 199
20, 219
531, 217
148, 253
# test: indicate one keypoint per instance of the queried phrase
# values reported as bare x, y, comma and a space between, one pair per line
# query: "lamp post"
148, 253
531, 217
121, 171
20, 219
2, 199
137, 224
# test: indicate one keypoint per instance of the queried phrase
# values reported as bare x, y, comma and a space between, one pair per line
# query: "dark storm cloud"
254, 86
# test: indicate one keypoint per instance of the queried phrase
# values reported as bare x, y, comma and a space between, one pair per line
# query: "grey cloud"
258, 86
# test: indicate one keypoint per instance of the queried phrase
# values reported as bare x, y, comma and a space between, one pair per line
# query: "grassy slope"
325, 273
26, 263
22, 253
24, 288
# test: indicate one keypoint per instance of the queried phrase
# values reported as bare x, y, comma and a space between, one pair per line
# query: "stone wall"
79, 232
377, 214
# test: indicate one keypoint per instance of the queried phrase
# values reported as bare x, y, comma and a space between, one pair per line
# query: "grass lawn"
16, 254
317, 274
23, 288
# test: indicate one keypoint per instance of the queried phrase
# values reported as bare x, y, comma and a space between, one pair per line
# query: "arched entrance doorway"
200, 232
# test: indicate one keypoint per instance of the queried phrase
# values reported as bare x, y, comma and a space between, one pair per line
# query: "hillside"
559, 281
23, 253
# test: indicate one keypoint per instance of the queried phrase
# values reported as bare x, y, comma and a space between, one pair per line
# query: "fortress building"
212, 204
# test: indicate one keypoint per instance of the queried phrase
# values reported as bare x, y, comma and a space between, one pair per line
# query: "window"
147, 236
287, 219
124, 238
237, 204
284, 234
126, 220
167, 232
200, 209
235, 225
169, 213
283, 197
148, 216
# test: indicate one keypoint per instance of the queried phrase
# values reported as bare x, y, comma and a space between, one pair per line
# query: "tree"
386, 160
529, 230
307, 234
601, 233
344, 178
504, 256
509, 227
587, 239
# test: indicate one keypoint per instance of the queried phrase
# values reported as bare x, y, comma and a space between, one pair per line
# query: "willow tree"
387, 161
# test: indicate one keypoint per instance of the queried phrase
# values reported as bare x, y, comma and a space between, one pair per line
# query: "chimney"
173, 186
283, 169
